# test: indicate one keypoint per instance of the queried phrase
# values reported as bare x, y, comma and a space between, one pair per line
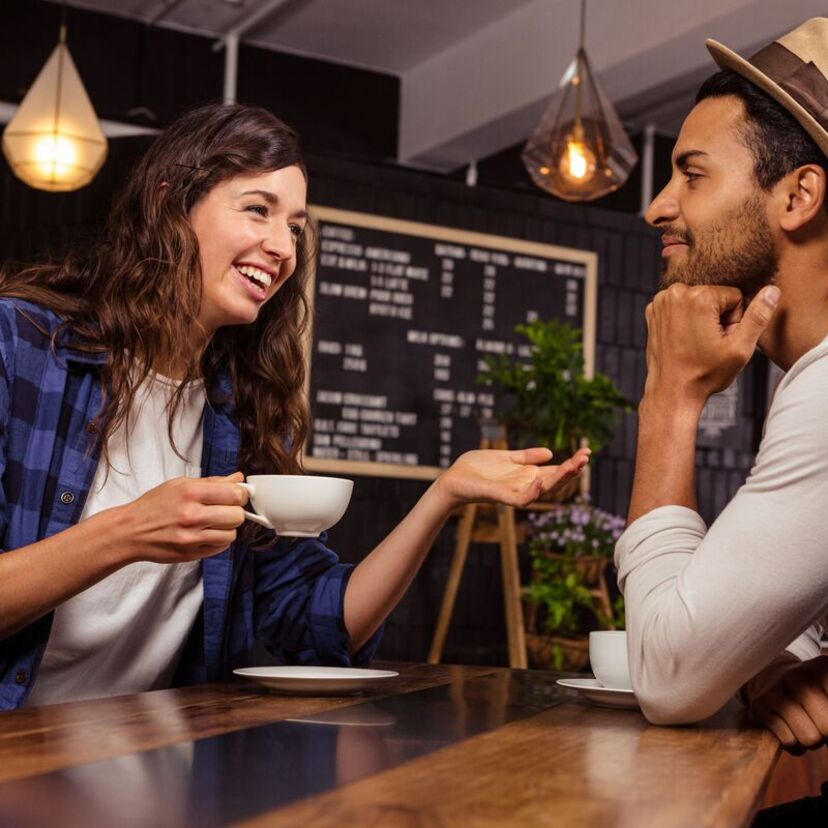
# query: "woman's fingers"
223, 517
552, 476
215, 540
217, 492
530, 456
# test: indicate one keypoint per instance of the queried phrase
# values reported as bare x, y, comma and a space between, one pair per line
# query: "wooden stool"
505, 533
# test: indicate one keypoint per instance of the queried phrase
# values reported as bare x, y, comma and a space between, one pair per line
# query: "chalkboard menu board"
404, 314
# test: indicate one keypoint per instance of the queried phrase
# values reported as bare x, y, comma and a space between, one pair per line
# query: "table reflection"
237, 775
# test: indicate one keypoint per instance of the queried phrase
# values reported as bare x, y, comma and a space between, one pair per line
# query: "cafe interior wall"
348, 121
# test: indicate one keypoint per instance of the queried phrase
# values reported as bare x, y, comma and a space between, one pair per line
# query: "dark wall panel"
129, 68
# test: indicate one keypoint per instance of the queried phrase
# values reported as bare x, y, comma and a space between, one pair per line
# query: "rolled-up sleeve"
707, 609
299, 599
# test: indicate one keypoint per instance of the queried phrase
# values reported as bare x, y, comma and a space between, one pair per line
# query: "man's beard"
737, 251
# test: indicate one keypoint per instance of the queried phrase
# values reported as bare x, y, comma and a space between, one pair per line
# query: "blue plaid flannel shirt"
289, 596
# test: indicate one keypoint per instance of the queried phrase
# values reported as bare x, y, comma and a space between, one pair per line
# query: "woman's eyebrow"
272, 198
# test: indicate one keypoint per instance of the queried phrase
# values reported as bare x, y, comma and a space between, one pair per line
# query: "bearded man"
744, 226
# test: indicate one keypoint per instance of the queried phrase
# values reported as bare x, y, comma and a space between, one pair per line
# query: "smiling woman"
135, 380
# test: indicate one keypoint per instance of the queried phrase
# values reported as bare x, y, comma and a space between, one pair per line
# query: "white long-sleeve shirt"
708, 608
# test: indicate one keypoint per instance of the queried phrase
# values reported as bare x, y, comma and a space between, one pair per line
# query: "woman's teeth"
256, 275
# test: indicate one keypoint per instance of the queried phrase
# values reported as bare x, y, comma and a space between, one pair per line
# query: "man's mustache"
672, 232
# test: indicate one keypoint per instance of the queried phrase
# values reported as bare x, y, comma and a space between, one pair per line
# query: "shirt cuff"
662, 530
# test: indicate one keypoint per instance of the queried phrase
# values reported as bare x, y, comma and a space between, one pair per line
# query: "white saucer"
593, 690
315, 681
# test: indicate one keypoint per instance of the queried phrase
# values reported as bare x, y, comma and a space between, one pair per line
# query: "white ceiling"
475, 74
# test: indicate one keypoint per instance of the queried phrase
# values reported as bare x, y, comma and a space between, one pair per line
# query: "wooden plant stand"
473, 526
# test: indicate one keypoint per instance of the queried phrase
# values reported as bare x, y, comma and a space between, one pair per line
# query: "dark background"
348, 121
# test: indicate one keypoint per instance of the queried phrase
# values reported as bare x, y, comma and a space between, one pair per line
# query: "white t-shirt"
125, 634
707, 609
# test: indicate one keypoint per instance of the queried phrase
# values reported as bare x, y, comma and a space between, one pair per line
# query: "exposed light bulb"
57, 156
577, 163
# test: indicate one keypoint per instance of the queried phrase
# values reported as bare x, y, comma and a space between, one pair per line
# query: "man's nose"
663, 208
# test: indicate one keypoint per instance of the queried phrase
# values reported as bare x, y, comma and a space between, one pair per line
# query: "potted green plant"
570, 546
546, 399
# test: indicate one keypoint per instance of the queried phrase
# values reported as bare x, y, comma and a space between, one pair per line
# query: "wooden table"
436, 746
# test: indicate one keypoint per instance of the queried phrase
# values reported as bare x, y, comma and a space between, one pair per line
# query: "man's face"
713, 215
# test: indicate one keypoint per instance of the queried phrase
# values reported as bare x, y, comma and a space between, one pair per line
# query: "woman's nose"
280, 243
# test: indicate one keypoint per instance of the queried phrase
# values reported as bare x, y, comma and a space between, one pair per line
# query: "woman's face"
247, 229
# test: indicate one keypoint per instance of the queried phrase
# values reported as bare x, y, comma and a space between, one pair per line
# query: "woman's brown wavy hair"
137, 294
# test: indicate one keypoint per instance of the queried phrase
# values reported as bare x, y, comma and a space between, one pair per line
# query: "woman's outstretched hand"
512, 477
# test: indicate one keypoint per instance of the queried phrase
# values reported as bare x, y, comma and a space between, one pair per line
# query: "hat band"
801, 80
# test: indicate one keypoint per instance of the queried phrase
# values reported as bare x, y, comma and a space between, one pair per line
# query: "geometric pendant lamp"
579, 151
54, 141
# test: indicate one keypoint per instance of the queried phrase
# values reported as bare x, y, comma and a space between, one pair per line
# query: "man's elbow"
672, 704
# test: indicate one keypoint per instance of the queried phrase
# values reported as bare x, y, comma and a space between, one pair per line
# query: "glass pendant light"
54, 141
579, 150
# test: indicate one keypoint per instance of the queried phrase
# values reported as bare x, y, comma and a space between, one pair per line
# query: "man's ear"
804, 191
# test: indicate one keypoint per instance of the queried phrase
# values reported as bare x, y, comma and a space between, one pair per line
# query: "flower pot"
552, 652
591, 568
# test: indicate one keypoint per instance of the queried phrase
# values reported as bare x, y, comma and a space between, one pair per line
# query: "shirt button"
92, 427
21, 677
67, 498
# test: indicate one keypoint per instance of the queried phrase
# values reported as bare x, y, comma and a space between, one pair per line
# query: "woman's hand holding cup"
184, 519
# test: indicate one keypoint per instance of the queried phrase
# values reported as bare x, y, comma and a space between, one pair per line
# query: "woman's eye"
259, 209
296, 230
691, 176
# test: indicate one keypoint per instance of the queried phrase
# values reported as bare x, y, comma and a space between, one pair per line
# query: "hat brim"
728, 59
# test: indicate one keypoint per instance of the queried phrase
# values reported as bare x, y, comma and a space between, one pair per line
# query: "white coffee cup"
297, 505
608, 658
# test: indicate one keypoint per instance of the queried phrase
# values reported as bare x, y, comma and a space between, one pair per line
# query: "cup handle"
262, 521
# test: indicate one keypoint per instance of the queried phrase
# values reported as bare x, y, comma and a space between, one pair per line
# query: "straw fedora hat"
793, 70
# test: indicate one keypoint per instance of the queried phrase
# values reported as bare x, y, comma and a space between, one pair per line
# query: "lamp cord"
579, 74
58, 89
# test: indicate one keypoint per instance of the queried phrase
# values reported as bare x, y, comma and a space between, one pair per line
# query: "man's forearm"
666, 454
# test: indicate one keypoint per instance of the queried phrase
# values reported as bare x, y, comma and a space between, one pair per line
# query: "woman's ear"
804, 193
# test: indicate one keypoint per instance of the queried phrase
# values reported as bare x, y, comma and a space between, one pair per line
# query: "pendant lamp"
54, 141
579, 150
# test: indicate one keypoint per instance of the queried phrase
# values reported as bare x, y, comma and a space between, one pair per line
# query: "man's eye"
691, 176
259, 209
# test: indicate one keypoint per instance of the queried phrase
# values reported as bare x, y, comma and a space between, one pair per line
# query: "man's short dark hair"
777, 141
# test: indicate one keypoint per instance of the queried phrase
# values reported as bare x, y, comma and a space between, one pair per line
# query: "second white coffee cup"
608, 658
